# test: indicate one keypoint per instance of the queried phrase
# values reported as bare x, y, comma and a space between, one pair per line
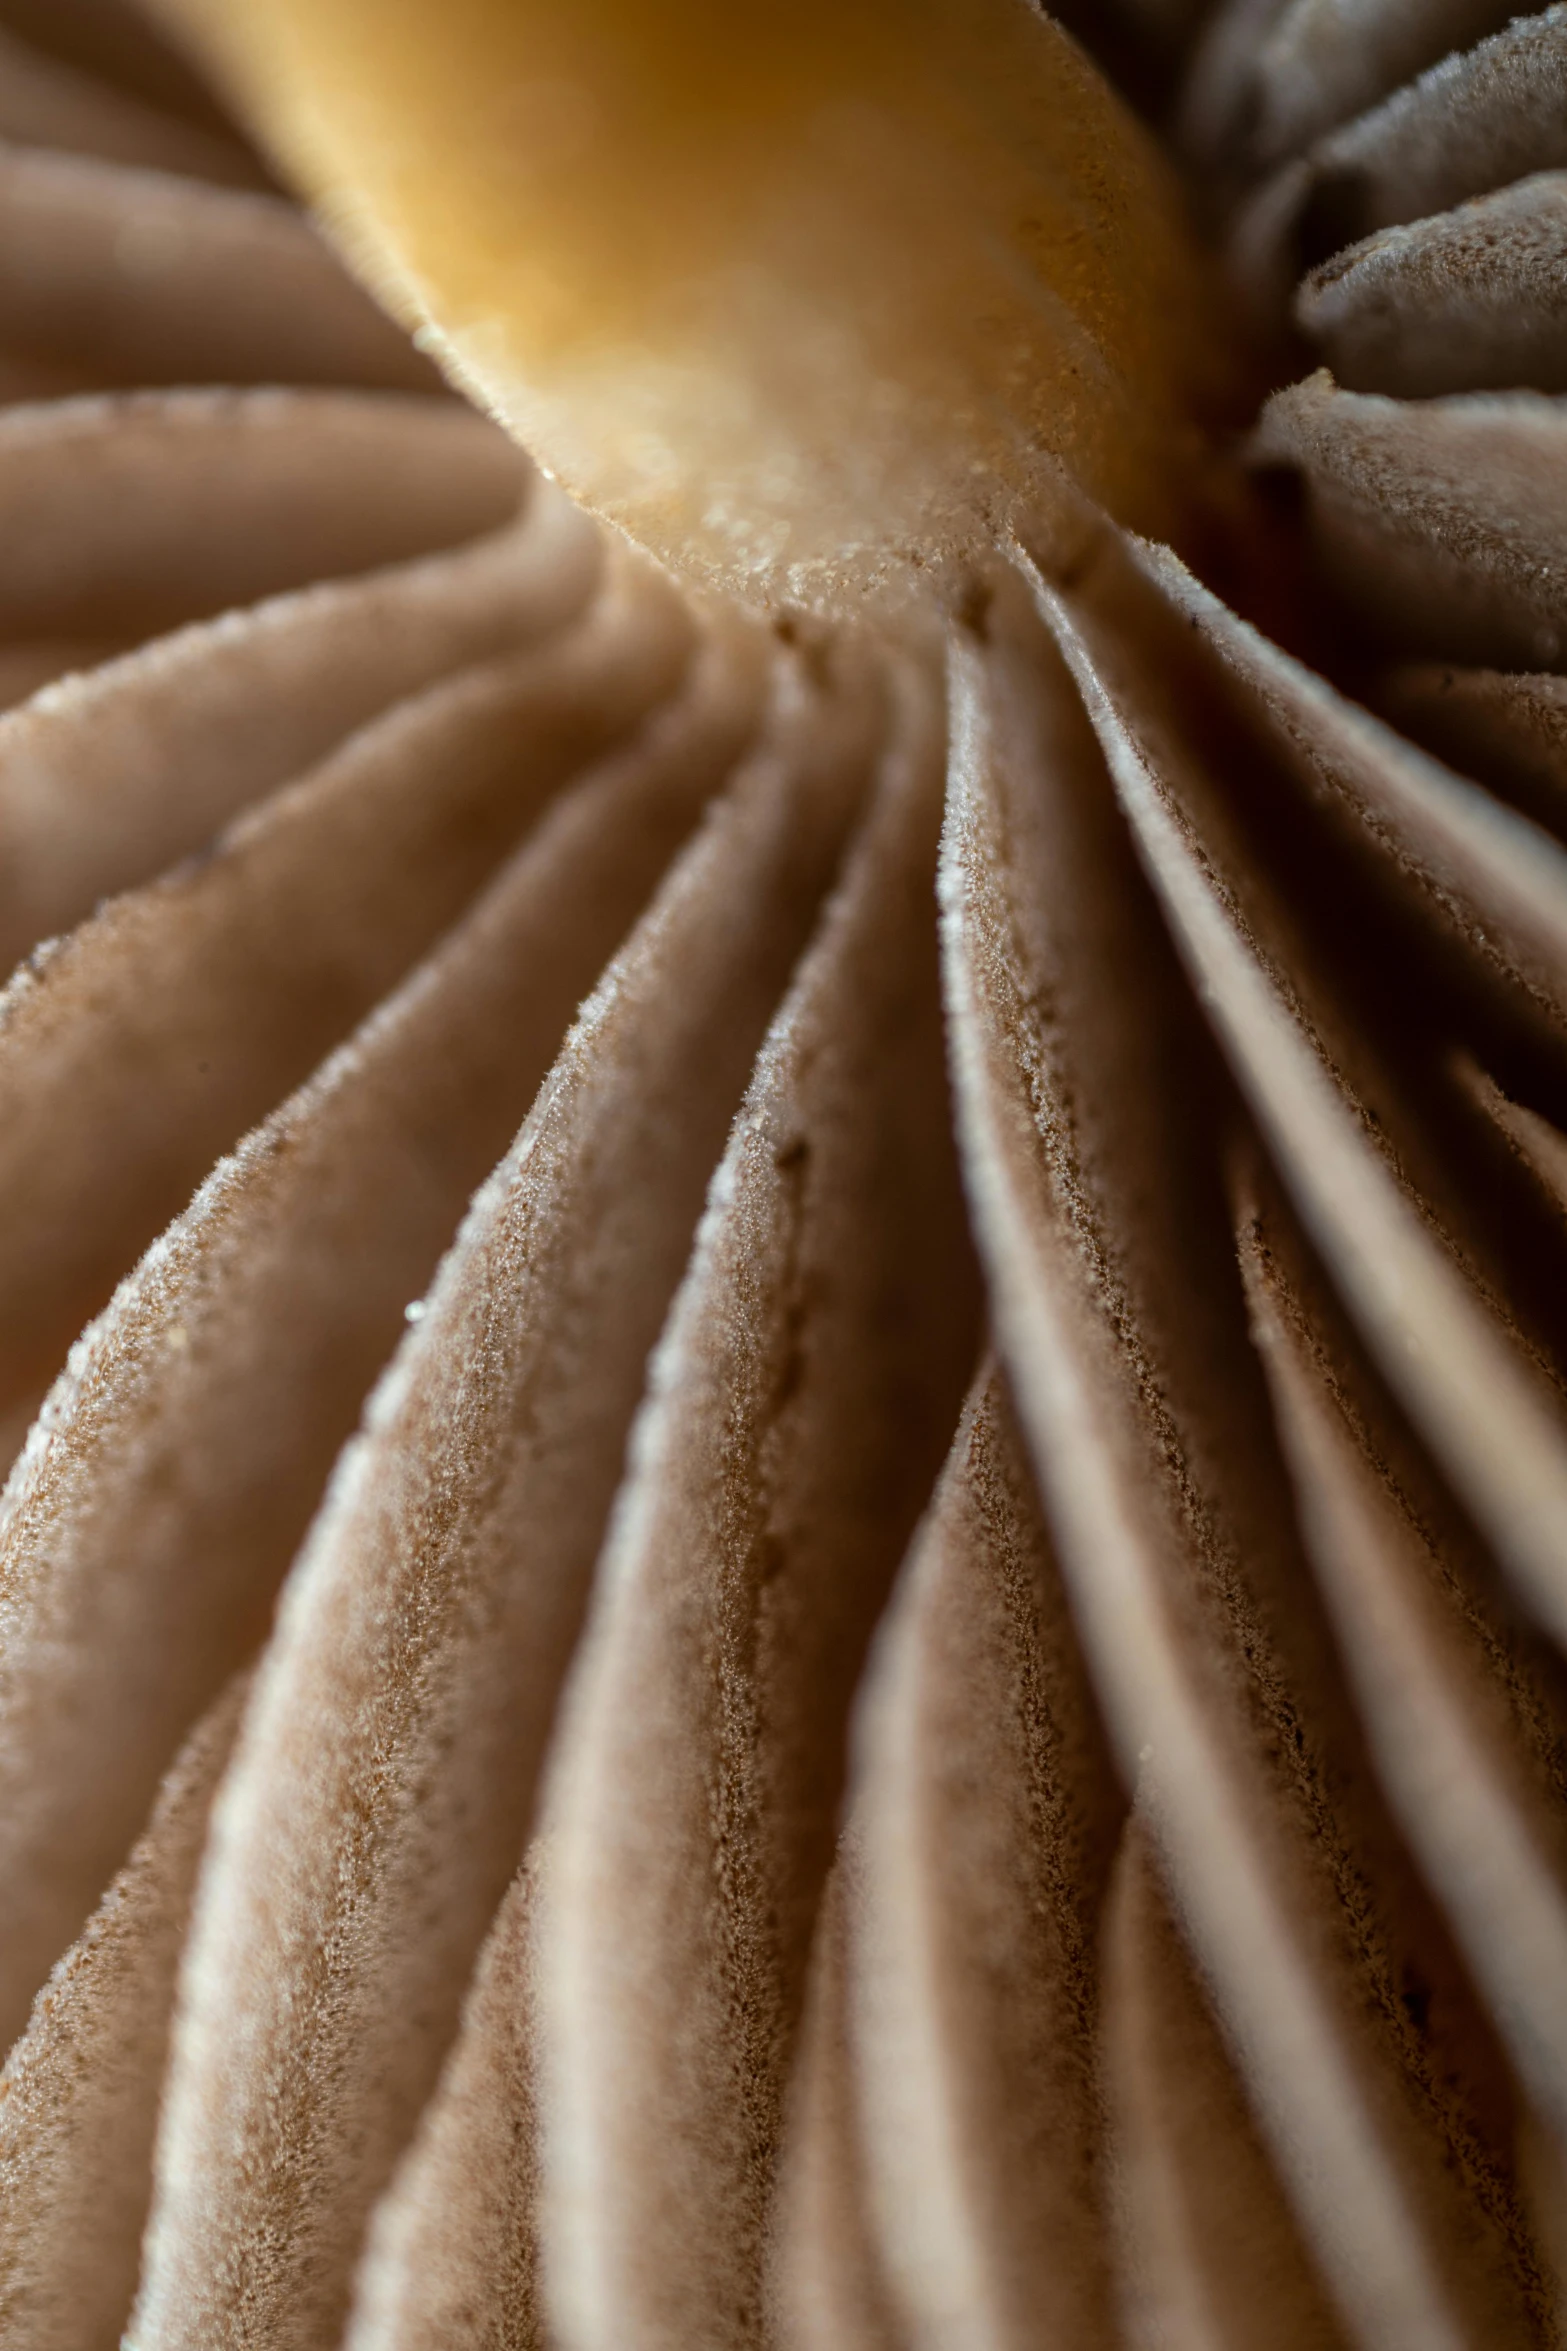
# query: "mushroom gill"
783, 1331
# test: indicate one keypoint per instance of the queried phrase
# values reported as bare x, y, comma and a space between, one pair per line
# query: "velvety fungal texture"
783, 1334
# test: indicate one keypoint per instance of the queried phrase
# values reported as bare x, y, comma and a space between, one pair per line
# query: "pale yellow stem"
807, 296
